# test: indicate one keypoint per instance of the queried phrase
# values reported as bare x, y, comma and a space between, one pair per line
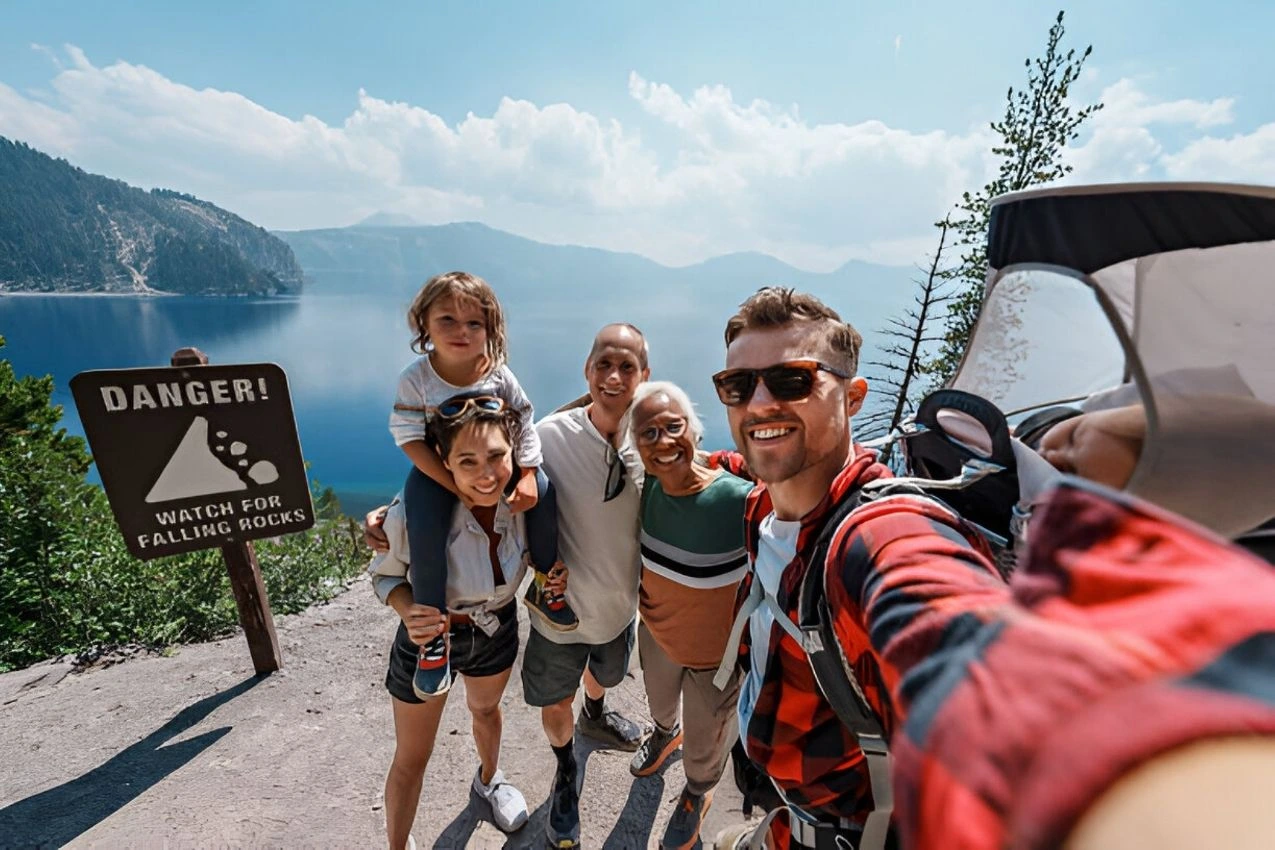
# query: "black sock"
566, 757
593, 707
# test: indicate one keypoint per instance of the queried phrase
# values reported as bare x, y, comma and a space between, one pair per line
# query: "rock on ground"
193, 751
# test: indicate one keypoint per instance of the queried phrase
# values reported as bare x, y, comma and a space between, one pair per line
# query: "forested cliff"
64, 230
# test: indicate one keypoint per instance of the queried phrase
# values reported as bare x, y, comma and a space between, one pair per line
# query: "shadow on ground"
632, 830
52, 818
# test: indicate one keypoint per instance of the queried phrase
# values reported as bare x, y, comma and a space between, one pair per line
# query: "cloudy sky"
819, 133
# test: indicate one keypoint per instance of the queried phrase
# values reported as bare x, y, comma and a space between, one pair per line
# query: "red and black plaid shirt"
793, 733
1126, 632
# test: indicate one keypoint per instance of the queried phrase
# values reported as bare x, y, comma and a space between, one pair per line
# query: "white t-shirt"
597, 540
776, 549
420, 390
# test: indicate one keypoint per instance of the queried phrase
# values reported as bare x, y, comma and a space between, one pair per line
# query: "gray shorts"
551, 671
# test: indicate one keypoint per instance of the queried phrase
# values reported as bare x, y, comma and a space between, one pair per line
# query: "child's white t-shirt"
421, 390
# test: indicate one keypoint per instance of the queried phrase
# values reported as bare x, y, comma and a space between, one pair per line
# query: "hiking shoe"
611, 728
551, 607
563, 826
655, 750
508, 806
433, 674
683, 827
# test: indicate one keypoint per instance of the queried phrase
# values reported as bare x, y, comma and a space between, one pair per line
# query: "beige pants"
709, 723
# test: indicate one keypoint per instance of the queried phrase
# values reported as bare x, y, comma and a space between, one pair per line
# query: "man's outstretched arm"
1022, 719
907, 575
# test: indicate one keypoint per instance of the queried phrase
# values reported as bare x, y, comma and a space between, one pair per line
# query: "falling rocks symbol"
196, 470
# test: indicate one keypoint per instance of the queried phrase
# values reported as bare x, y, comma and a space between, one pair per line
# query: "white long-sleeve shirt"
471, 584
421, 390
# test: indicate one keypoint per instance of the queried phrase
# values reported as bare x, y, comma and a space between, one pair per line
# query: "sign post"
245, 576
201, 457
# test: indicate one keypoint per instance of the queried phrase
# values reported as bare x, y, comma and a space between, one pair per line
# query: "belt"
464, 621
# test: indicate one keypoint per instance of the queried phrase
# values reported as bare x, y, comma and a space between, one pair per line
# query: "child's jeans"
428, 507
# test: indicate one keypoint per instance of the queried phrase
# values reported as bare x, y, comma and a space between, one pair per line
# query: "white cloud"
1245, 157
1125, 105
731, 175
1128, 137
1114, 154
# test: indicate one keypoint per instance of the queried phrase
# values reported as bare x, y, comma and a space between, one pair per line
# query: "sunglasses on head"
454, 407
791, 381
615, 475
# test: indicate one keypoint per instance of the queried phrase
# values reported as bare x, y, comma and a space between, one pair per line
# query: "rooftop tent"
1155, 294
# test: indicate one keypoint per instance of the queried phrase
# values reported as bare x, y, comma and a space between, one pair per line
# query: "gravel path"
192, 751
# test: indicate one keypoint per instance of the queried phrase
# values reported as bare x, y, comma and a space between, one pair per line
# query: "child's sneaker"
552, 607
433, 674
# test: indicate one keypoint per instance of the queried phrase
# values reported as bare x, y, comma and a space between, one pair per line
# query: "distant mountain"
64, 230
388, 219
397, 260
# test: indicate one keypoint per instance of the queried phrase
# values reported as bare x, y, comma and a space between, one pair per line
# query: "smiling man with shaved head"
597, 478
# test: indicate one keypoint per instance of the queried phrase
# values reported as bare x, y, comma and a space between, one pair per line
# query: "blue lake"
342, 355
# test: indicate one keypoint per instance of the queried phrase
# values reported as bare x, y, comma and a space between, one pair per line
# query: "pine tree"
1038, 125
911, 338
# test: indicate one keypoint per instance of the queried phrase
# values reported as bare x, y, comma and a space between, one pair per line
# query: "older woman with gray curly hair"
692, 562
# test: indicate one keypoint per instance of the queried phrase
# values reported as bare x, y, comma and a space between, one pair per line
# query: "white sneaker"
508, 807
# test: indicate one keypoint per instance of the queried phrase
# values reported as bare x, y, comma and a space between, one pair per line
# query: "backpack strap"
833, 673
836, 677
754, 597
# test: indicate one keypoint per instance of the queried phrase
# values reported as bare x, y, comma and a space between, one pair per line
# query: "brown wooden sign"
194, 456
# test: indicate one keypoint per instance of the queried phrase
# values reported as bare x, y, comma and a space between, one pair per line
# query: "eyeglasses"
454, 407
651, 435
791, 381
615, 474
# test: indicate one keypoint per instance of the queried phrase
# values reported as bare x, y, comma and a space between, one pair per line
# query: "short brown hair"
777, 306
463, 287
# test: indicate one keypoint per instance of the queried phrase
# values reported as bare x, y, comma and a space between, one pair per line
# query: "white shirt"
420, 390
597, 540
776, 549
471, 586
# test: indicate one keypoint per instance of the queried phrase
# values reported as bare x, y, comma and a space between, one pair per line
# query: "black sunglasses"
791, 381
615, 475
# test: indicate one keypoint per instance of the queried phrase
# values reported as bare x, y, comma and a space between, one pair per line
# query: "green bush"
67, 582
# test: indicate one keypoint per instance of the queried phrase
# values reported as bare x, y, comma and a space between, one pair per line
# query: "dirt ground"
193, 751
